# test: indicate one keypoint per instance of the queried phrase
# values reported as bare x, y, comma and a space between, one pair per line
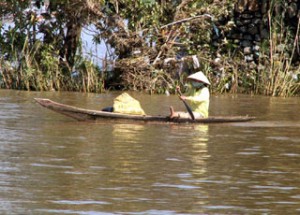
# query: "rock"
249, 58
246, 21
257, 21
243, 29
257, 38
247, 37
236, 36
216, 44
247, 16
256, 55
246, 43
215, 37
264, 34
252, 29
238, 23
247, 50
256, 48
258, 14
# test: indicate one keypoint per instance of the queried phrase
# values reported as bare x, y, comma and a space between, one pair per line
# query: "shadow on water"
51, 164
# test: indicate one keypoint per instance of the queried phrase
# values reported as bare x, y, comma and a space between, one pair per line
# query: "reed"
38, 67
280, 77
88, 77
277, 72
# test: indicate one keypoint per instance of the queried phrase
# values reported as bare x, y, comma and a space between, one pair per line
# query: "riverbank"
242, 47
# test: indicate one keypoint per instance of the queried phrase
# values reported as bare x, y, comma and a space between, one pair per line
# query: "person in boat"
197, 97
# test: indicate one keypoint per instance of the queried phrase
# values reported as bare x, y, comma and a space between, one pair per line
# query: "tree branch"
187, 20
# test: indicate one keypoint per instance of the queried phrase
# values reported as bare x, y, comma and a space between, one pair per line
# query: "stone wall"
252, 25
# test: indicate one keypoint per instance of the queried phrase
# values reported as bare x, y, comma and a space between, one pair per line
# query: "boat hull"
82, 114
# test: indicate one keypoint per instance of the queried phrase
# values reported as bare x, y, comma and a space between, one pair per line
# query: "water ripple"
179, 186
273, 187
76, 212
83, 202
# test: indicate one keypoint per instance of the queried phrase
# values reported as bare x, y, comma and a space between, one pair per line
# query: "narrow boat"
82, 114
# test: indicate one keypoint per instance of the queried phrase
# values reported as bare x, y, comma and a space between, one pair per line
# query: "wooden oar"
187, 106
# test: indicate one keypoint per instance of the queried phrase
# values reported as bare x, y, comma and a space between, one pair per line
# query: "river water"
52, 164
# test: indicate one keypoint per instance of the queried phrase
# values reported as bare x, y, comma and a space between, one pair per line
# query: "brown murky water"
51, 164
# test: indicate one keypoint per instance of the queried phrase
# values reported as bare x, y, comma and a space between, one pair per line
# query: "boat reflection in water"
200, 153
137, 148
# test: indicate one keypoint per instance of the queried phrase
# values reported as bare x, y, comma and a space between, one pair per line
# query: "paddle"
186, 105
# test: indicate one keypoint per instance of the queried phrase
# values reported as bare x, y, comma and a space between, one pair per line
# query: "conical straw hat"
199, 76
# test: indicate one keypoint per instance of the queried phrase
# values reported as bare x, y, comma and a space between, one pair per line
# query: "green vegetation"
281, 76
156, 44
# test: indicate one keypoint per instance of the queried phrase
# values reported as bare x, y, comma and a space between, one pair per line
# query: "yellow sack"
124, 103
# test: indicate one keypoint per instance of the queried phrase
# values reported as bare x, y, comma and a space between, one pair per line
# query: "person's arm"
198, 98
182, 97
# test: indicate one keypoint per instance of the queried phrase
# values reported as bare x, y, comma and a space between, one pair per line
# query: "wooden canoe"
82, 114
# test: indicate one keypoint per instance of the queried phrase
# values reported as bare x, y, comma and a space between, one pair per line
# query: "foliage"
279, 76
155, 44
40, 48
145, 28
